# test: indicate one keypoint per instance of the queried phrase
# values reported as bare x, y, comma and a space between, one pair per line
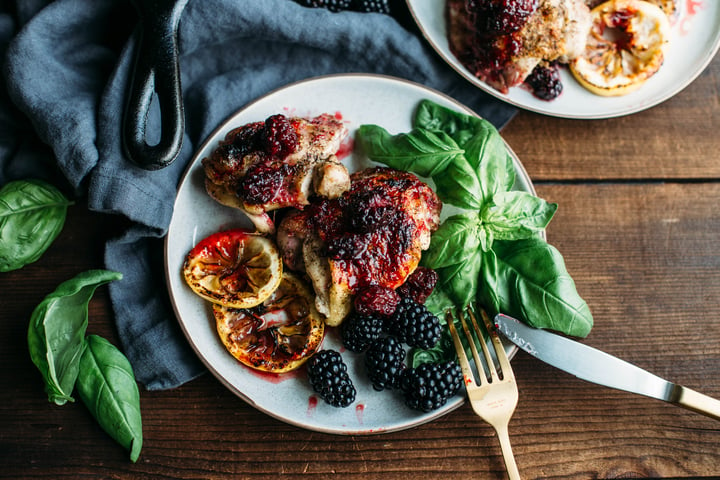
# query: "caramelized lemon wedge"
277, 336
235, 268
625, 47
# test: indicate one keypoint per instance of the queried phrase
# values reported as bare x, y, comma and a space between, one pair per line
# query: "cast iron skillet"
157, 71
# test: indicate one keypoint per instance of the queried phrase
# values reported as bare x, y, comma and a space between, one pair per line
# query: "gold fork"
495, 398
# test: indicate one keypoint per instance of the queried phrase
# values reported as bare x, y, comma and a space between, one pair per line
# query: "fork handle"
510, 465
696, 401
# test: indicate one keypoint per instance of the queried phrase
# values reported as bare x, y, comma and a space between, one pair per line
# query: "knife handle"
696, 401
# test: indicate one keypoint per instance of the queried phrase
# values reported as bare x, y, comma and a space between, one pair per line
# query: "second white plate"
695, 41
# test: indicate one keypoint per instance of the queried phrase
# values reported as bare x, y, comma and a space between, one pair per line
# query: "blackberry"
419, 285
348, 246
371, 210
280, 137
332, 5
544, 81
502, 17
359, 331
263, 182
430, 385
329, 378
414, 324
241, 141
376, 300
385, 362
376, 6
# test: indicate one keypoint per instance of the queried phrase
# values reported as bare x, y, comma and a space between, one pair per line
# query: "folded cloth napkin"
66, 70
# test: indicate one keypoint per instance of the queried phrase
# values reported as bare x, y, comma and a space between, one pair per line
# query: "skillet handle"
156, 70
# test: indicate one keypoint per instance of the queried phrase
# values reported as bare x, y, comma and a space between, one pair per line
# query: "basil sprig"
491, 252
32, 215
68, 359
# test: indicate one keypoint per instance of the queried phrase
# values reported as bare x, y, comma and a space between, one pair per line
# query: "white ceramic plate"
694, 43
358, 99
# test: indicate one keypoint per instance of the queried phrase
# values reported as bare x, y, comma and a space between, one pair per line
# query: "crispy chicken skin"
373, 234
281, 162
557, 30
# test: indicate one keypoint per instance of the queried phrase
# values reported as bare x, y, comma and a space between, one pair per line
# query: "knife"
599, 367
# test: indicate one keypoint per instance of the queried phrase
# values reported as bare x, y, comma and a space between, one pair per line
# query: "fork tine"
462, 357
499, 348
485, 375
489, 361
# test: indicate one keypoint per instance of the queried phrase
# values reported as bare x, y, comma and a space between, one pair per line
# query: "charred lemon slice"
235, 268
625, 47
277, 336
670, 7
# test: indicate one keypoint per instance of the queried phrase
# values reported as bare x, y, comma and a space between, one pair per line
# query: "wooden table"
639, 227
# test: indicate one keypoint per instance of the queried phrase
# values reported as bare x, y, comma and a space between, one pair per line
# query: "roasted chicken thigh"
281, 162
373, 234
502, 41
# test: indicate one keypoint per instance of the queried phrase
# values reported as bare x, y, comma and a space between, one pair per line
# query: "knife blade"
596, 366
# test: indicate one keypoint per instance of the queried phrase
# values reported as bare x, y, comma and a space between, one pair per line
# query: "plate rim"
628, 110
423, 418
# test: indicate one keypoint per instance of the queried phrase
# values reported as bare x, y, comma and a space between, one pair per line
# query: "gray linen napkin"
66, 70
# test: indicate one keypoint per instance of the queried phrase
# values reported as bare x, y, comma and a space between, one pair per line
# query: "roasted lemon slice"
625, 47
670, 7
235, 268
277, 336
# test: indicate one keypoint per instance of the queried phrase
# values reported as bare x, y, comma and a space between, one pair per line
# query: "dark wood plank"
674, 140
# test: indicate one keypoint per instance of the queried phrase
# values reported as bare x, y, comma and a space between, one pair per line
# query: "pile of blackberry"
382, 322
368, 6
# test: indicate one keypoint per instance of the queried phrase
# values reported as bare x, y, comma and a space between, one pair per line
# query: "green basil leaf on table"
32, 215
528, 279
107, 386
56, 334
516, 215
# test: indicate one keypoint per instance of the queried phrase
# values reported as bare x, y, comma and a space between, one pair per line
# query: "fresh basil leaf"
422, 152
438, 302
516, 215
443, 351
454, 242
494, 168
458, 185
432, 116
32, 215
527, 279
485, 150
459, 282
107, 386
57, 328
